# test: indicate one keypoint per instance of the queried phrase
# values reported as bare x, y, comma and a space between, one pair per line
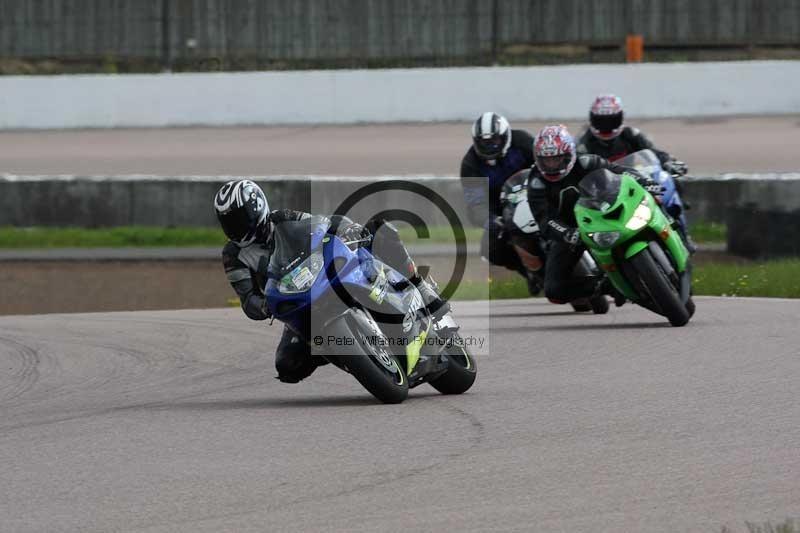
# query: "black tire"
460, 374
581, 306
690, 307
599, 304
369, 362
662, 291
375, 380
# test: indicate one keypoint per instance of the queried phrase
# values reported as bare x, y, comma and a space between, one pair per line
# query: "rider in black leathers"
552, 194
608, 137
243, 211
628, 141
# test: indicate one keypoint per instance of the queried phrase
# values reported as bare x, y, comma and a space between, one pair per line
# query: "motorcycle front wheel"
663, 293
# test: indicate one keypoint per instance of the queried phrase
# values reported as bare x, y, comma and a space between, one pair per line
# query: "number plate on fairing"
302, 277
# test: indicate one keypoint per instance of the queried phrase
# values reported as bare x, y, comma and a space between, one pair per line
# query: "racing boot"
606, 287
429, 289
535, 282
293, 358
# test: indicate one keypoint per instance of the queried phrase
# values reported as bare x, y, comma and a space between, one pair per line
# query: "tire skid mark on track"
173, 343
113, 370
161, 404
162, 362
477, 426
207, 373
129, 317
658, 399
25, 375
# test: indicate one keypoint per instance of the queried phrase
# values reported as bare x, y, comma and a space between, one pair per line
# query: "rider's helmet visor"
607, 123
490, 146
554, 164
236, 224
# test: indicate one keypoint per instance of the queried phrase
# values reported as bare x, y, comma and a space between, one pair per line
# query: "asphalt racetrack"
172, 421
709, 145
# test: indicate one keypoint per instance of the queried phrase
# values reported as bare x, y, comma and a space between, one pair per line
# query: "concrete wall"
187, 201
713, 199
396, 95
146, 200
312, 29
762, 212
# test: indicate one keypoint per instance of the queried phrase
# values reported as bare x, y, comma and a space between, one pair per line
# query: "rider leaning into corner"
608, 137
552, 189
243, 212
497, 152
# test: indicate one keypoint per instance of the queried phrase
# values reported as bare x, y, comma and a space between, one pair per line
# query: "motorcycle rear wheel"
690, 306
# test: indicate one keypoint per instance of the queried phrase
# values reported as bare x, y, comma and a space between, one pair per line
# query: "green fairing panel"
607, 204
635, 248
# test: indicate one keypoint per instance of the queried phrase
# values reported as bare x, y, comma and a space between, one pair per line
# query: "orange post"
634, 48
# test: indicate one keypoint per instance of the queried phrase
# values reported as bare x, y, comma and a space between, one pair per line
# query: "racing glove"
355, 234
495, 227
567, 234
654, 188
572, 236
676, 168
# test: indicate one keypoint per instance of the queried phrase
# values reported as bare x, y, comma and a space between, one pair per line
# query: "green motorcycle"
635, 244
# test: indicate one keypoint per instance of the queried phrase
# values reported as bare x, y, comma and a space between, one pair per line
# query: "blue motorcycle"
359, 314
648, 164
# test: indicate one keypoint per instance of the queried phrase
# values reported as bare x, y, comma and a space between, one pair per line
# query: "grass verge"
774, 279
708, 232
702, 232
120, 237
438, 234
154, 236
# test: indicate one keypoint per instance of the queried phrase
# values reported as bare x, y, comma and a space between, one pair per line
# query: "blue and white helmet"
242, 210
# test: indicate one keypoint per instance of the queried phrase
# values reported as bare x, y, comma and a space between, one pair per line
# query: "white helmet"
491, 136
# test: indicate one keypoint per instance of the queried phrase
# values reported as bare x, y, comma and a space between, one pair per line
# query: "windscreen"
599, 189
293, 241
643, 161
